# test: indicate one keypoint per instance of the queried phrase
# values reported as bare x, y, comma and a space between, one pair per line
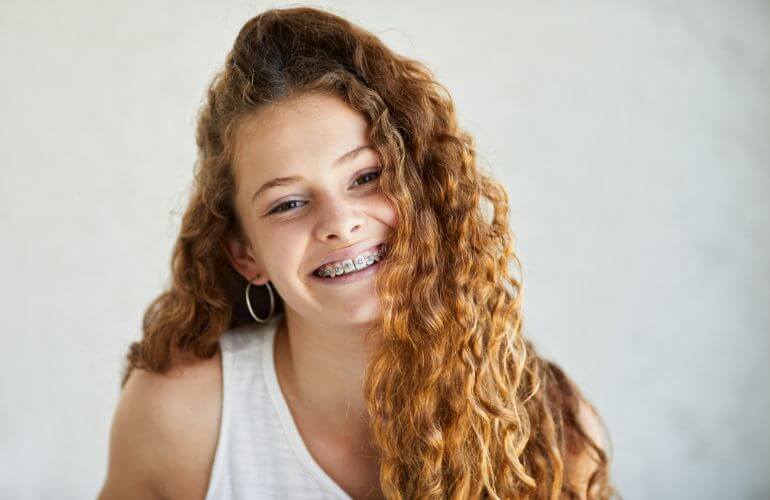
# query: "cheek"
286, 263
387, 213
281, 250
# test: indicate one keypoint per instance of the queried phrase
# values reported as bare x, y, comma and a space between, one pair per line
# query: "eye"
374, 174
284, 206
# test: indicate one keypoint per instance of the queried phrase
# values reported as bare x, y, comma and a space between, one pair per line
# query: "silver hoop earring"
272, 303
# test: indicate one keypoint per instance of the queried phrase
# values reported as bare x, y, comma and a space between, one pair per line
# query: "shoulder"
584, 461
164, 432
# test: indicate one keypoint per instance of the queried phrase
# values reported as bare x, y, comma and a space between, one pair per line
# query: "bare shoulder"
164, 432
592, 424
586, 461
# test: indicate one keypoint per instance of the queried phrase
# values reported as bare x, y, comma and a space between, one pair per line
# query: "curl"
460, 403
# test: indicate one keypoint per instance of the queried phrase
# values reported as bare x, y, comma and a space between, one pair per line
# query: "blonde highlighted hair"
461, 405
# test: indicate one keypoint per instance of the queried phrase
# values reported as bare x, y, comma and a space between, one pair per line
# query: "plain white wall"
633, 139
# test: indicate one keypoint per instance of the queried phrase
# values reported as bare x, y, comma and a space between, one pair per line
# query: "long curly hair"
460, 404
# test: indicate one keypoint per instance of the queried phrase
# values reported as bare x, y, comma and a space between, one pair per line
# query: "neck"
321, 367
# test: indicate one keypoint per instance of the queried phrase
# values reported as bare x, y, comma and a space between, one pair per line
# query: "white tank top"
260, 452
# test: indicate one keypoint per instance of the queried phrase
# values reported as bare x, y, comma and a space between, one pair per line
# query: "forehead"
308, 131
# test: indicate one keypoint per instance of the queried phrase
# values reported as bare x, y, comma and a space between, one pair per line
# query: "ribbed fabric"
260, 453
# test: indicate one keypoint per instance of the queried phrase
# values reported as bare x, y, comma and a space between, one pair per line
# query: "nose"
338, 220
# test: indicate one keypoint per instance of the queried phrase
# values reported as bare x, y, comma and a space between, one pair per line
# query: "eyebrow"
285, 181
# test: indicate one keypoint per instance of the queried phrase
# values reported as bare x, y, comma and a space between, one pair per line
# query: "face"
330, 203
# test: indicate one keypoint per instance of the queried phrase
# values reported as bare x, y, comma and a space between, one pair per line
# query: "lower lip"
349, 278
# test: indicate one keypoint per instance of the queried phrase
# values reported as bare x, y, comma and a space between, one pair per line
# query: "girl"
341, 321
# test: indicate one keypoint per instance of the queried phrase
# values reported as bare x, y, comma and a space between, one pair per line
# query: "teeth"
350, 265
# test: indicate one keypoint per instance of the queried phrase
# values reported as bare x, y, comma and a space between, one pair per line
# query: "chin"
363, 312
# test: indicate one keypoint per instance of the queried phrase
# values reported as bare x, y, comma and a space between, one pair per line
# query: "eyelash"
277, 208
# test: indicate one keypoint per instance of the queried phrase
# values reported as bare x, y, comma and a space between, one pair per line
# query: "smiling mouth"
350, 266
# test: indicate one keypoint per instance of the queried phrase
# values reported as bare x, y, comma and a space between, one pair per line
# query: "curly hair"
460, 404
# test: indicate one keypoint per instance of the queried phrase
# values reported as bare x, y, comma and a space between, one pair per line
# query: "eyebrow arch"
285, 181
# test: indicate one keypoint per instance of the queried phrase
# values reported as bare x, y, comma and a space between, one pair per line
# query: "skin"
336, 206
159, 447
324, 324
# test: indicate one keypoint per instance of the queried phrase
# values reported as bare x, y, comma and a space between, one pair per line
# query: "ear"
242, 258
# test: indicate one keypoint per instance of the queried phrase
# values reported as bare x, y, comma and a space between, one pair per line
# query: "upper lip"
347, 253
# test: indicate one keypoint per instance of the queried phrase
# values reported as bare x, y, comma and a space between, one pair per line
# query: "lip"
346, 253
